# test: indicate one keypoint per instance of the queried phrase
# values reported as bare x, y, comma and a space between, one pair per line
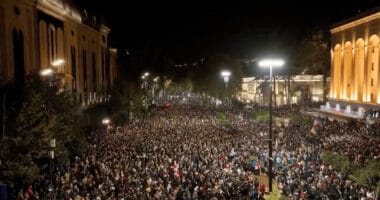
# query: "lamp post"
51, 164
144, 86
226, 76
270, 63
155, 88
106, 122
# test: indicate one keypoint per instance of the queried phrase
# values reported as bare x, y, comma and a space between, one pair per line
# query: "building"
355, 62
286, 90
34, 34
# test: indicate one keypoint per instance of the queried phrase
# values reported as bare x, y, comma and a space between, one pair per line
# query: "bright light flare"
57, 62
106, 121
225, 73
271, 62
46, 72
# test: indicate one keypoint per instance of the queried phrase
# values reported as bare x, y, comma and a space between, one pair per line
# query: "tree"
206, 78
44, 114
314, 56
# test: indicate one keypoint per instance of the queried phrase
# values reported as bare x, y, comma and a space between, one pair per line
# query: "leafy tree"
207, 78
45, 114
338, 162
369, 175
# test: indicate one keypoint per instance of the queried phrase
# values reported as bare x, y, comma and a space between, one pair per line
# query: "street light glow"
57, 62
156, 79
46, 72
106, 121
225, 73
271, 62
146, 74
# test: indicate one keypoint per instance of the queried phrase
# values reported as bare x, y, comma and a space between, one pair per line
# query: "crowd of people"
183, 152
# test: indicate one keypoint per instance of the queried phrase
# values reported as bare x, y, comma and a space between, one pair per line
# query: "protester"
182, 152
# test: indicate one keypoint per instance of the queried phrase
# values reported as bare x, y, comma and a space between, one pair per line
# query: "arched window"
52, 43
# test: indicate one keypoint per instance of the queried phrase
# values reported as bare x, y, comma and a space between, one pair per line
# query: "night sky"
188, 30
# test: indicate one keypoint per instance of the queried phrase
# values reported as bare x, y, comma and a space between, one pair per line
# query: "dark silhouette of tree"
314, 57
207, 78
42, 113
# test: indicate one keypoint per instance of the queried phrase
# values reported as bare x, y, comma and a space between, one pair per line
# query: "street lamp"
46, 72
58, 62
270, 63
106, 122
155, 88
51, 164
226, 76
144, 86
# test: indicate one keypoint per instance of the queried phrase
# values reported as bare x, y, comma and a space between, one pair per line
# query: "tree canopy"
45, 113
207, 77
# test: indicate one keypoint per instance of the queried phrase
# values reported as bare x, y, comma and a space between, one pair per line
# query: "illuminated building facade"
286, 90
355, 60
35, 33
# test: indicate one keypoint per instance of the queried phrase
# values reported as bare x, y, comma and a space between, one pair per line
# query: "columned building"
34, 34
355, 60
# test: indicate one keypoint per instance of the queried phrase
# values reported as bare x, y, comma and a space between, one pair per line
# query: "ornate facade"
355, 60
36, 33
286, 90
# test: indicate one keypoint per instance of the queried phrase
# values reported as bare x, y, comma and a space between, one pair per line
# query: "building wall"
34, 33
355, 61
285, 90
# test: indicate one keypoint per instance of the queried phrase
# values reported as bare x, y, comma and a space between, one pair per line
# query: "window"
371, 81
52, 43
84, 60
73, 67
103, 67
93, 71
372, 66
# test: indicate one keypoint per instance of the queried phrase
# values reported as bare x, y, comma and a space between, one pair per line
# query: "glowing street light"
46, 72
58, 62
270, 63
226, 76
106, 121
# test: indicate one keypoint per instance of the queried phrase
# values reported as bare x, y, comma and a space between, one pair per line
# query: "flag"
312, 131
